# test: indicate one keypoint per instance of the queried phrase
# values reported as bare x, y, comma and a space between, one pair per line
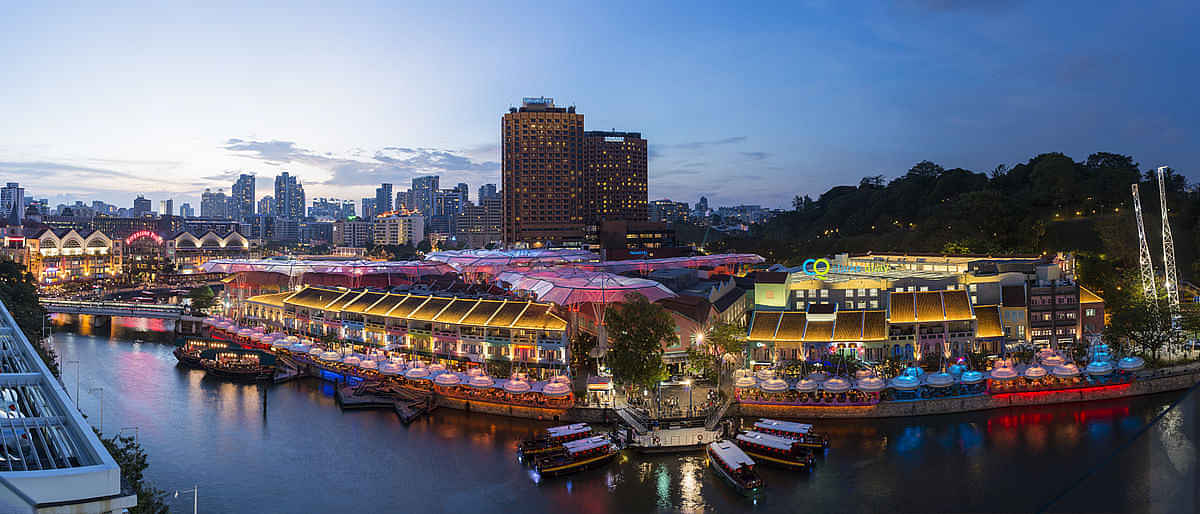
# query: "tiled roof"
1087, 296
849, 326
819, 331
316, 297
273, 299
957, 305
875, 326
430, 309
791, 327
459, 311
900, 307
929, 306
762, 326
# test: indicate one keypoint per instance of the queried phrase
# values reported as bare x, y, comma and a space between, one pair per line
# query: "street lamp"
76, 363
101, 390
195, 490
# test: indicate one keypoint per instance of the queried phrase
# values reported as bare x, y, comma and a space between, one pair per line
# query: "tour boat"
734, 466
776, 450
576, 456
553, 438
801, 432
238, 364
189, 353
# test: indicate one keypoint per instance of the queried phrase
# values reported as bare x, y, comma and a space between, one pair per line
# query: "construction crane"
1144, 263
1169, 276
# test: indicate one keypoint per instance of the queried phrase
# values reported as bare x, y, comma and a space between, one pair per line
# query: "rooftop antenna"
1144, 262
1171, 279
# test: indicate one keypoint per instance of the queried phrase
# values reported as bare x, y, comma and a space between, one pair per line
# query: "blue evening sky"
745, 102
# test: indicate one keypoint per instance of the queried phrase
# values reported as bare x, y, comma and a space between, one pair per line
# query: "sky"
745, 104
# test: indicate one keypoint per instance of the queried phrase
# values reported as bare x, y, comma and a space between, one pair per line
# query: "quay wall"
1149, 382
502, 409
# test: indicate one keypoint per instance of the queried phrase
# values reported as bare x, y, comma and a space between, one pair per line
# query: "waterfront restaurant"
465, 330
816, 334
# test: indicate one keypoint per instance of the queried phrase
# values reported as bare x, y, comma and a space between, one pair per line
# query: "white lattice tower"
1170, 278
1144, 262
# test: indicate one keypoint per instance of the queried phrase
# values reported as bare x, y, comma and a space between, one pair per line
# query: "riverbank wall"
1147, 382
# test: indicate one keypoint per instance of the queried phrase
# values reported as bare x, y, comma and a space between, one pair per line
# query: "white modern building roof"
50, 459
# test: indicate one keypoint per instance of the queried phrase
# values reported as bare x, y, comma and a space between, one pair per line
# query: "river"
288, 448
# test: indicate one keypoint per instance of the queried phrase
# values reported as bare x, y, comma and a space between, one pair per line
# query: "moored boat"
189, 353
802, 432
238, 364
776, 450
553, 439
734, 466
576, 456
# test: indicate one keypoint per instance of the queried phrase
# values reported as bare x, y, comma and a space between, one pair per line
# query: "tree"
131, 457
637, 330
202, 298
18, 291
1145, 326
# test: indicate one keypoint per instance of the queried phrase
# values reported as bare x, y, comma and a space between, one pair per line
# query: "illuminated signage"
541, 100
822, 267
141, 234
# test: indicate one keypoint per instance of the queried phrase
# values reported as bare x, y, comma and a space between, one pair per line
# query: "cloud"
965, 5
755, 156
695, 145
40, 169
390, 164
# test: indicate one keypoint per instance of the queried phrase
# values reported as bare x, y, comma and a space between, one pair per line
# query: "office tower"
241, 198
398, 229
383, 198
186, 210
266, 206
352, 233
289, 197
465, 190
480, 225
404, 201
701, 210
614, 177
542, 170
141, 206
368, 208
13, 195
422, 193
486, 191
166, 207
214, 205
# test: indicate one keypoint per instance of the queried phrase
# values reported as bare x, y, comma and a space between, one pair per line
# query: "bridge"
132, 310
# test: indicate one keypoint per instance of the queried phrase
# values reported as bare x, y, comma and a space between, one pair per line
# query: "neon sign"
822, 267
142, 234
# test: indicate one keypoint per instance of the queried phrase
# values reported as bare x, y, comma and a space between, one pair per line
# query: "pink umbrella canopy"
565, 286
297, 267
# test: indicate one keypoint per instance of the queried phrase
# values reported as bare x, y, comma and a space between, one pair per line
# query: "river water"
288, 448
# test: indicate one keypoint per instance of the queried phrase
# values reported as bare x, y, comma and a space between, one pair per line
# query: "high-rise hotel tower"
542, 174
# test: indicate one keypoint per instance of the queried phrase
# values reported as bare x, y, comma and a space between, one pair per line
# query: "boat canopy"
587, 443
773, 441
562, 430
783, 426
730, 454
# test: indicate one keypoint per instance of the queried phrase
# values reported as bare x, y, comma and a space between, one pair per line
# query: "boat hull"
779, 462
577, 466
739, 486
187, 359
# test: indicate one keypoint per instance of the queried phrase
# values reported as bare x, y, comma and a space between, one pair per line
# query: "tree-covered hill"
1050, 203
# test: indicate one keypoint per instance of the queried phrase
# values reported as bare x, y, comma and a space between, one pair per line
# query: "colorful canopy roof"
297, 267
566, 286
495, 261
648, 265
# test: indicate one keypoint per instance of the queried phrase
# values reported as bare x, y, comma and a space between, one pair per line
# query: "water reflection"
215, 433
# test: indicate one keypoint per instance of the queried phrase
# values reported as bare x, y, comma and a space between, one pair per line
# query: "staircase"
710, 423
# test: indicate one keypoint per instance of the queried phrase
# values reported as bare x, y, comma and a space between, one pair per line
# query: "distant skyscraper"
186, 210
614, 177
466, 191
241, 198
142, 206
486, 191
214, 205
383, 198
368, 208
266, 206
289, 196
166, 207
422, 193
13, 195
542, 169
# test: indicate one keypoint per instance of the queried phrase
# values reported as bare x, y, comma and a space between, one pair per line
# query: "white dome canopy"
806, 386
939, 379
1066, 370
765, 374
1035, 372
391, 368
417, 373
836, 385
871, 384
744, 382
331, 356
906, 383
1099, 368
352, 360
773, 385
516, 386
481, 381
1131, 363
448, 379
971, 377
556, 389
1003, 373
368, 364
818, 377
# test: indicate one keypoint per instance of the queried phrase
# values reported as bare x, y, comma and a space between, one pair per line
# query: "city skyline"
796, 95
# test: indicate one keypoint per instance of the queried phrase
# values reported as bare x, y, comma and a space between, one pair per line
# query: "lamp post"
195, 490
76, 363
101, 390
